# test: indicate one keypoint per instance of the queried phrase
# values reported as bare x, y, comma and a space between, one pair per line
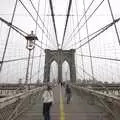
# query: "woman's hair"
49, 88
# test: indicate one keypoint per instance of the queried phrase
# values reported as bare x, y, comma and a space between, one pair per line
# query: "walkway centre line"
62, 115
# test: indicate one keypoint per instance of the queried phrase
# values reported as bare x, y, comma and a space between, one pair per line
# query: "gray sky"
105, 45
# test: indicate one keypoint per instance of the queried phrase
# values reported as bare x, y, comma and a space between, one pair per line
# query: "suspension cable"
105, 28
97, 57
67, 18
90, 35
87, 20
79, 39
113, 20
79, 74
6, 44
86, 72
41, 44
37, 11
18, 30
91, 62
21, 32
19, 59
103, 58
78, 24
34, 20
53, 19
74, 37
38, 16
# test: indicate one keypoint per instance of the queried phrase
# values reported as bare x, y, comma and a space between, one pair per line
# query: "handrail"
11, 99
105, 99
11, 107
97, 92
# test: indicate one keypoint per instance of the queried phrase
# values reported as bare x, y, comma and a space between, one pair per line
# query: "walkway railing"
110, 103
11, 107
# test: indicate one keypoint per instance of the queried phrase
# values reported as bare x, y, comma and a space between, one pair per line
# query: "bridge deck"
78, 109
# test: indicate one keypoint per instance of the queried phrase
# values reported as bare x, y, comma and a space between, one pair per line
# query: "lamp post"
30, 46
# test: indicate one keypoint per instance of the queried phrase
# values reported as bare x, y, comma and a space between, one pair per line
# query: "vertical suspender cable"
43, 23
41, 46
4, 52
34, 48
46, 35
113, 21
78, 24
80, 42
91, 62
86, 20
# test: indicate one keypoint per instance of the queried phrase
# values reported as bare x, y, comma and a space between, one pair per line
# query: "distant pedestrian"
68, 93
48, 99
61, 84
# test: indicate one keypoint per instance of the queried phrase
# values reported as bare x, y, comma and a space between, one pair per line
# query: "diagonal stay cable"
89, 46
85, 72
113, 20
8, 35
19, 59
78, 24
79, 74
67, 18
36, 26
35, 20
53, 19
21, 32
40, 17
98, 57
90, 35
39, 64
9, 24
96, 32
80, 36
87, 20
105, 28
18, 30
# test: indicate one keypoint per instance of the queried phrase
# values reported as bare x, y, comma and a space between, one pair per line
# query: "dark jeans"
68, 98
46, 110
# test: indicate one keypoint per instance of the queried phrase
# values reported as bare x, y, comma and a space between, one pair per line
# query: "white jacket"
47, 96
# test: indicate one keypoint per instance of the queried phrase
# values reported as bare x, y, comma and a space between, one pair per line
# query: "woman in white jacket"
48, 99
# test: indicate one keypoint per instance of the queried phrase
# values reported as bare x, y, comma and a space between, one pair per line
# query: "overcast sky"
105, 45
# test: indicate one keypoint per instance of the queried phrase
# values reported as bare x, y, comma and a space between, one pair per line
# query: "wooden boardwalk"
78, 109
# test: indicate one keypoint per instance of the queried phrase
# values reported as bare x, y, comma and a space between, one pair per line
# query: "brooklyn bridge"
60, 42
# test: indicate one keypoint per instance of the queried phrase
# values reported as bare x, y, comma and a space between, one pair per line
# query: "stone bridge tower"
59, 56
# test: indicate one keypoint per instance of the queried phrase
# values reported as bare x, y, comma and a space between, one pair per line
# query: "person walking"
48, 99
68, 93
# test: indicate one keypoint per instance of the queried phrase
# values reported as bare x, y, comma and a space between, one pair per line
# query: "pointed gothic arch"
53, 67
65, 71
59, 56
